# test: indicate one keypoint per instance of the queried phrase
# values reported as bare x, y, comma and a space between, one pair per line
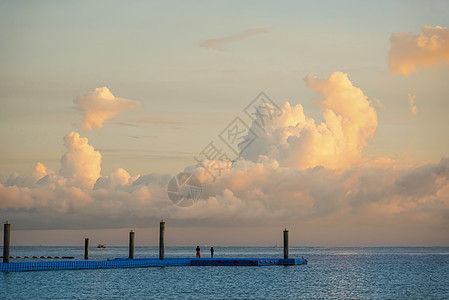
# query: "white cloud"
118, 178
81, 164
100, 105
295, 140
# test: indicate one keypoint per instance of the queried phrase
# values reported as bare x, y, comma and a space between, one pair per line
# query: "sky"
340, 109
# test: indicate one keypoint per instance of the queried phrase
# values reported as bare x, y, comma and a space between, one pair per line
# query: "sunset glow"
101, 107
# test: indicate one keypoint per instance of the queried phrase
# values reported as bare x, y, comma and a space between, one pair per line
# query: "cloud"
299, 173
378, 103
100, 105
118, 178
295, 140
40, 171
250, 193
409, 51
413, 108
220, 43
81, 164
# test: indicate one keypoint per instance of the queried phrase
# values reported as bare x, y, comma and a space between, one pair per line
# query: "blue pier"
144, 263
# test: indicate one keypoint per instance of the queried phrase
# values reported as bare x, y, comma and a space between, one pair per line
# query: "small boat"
101, 246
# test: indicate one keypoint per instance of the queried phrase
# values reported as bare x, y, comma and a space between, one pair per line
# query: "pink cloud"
412, 107
100, 105
299, 172
409, 51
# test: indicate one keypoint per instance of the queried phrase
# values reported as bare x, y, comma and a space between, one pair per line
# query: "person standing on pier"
211, 252
198, 254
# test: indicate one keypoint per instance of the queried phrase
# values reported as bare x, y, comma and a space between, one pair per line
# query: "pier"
144, 263
132, 262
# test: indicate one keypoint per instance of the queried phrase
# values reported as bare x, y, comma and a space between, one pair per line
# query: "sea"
331, 273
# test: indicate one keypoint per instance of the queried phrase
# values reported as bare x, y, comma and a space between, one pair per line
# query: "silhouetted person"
198, 254
211, 252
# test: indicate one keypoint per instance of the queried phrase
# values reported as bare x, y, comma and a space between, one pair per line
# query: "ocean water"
338, 273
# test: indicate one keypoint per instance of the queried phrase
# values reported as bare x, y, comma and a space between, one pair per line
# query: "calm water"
341, 273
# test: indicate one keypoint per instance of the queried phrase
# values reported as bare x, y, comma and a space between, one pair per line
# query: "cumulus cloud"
249, 193
100, 105
299, 173
40, 171
81, 164
220, 43
118, 178
264, 191
295, 140
409, 51
412, 107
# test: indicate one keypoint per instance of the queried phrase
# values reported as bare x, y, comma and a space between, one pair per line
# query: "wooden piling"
285, 243
86, 248
161, 240
131, 244
6, 241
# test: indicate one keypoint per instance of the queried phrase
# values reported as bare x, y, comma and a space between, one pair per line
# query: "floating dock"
145, 263
131, 262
